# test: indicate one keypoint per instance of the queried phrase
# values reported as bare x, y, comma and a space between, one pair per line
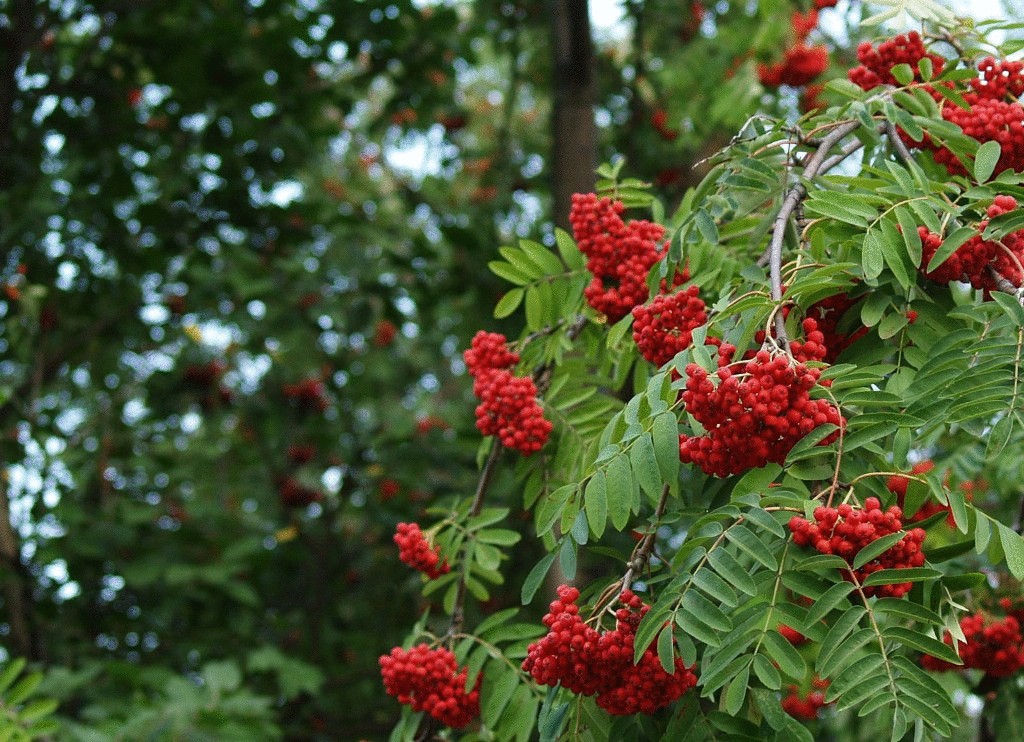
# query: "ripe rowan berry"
429, 680
758, 410
846, 530
591, 662
665, 326
508, 404
619, 254
416, 551
995, 646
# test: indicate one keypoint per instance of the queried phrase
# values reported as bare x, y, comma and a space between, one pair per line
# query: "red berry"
429, 680
416, 551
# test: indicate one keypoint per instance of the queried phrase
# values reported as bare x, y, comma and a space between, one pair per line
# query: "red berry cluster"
205, 375
508, 404
429, 680
589, 662
970, 261
206, 378
416, 551
993, 110
812, 347
828, 313
384, 333
757, 412
793, 636
846, 530
897, 484
805, 706
1013, 606
803, 23
800, 63
388, 489
659, 120
995, 646
810, 98
293, 494
300, 453
819, 4
665, 326
876, 63
431, 422
620, 255
994, 114
309, 394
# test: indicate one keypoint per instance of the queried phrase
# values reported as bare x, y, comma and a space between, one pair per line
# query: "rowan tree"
798, 392
756, 401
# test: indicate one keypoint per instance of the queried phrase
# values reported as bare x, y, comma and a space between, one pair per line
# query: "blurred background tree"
242, 246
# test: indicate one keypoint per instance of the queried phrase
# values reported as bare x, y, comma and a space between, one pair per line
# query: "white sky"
606, 14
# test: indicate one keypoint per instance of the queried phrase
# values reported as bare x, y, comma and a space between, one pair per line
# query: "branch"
458, 608
642, 553
16, 39
25, 636
813, 167
1001, 282
897, 143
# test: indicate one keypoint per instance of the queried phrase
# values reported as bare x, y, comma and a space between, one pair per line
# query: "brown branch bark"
16, 583
14, 41
574, 134
812, 167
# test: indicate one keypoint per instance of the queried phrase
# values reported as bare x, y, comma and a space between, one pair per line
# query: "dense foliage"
762, 390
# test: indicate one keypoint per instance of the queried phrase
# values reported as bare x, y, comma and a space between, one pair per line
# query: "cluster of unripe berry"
800, 63
595, 663
665, 326
993, 645
972, 261
993, 112
845, 530
805, 705
508, 403
429, 680
756, 412
619, 254
417, 552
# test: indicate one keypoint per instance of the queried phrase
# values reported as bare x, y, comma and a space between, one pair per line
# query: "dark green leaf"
784, 653
922, 643
752, 546
536, 577
833, 598
985, 160
876, 548
595, 501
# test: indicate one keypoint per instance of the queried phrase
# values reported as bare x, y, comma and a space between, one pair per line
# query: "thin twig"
458, 609
642, 553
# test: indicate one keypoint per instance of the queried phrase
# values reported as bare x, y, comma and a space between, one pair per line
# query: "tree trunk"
16, 590
15, 40
574, 151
